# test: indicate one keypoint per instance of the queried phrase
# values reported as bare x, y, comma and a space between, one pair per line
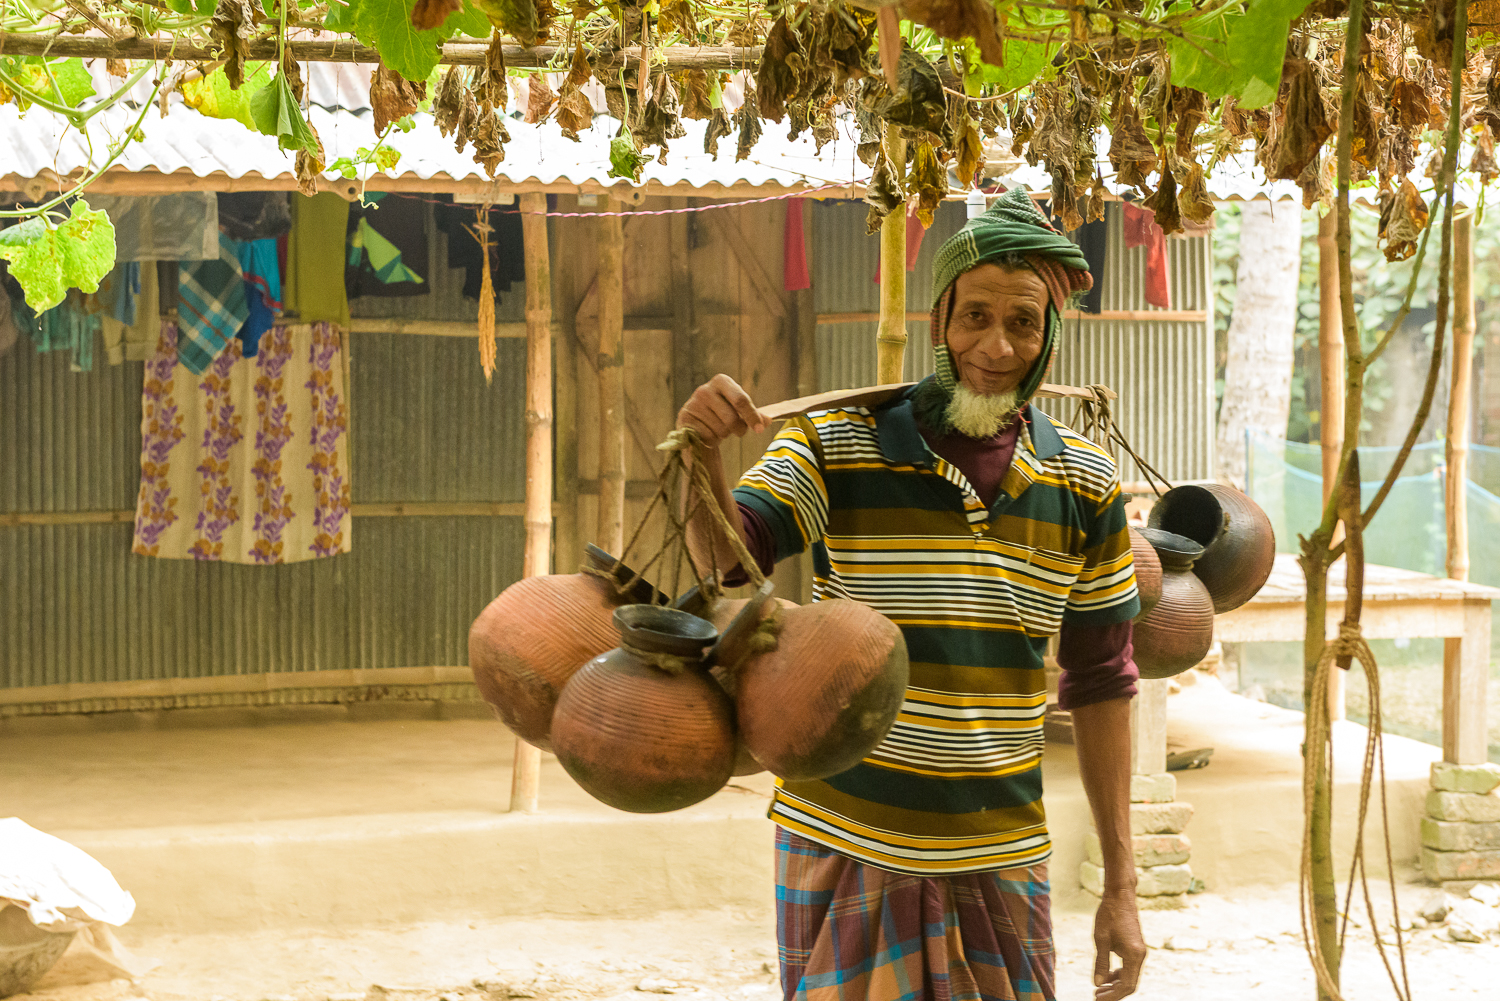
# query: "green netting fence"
1410, 532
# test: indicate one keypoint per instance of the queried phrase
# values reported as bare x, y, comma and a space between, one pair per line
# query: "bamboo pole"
525, 784
1331, 406
610, 534
890, 337
1458, 397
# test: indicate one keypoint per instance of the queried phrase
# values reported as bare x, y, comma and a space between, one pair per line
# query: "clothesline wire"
596, 215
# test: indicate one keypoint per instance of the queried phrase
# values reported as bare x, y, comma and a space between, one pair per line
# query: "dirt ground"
1220, 948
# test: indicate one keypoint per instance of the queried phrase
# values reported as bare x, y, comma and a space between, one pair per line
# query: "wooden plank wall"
703, 294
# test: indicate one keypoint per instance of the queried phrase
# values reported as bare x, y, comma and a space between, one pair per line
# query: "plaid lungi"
854, 932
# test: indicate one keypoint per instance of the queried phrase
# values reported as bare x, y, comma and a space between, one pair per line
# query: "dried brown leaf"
882, 194
745, 33
1193, 201
1096, 198
930, 180
539, 100
117, 67
961, 19
393, 97
1483, 160
678, 16
696, 102
1131, 152
448, 104
292, 70
1304, 124
1408, 104
232, 27
1163, 202
918, 101
490, 79
749, 125
970, 154
430, 14
574, 113
718, 127
1403, 217
309, 166
778, 76
489, 137
661, 119
1190, 109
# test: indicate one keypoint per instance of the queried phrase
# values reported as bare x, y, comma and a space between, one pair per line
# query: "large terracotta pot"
530, 640
1239, 544
1177, 633
643, 727
828, 694
1147, 572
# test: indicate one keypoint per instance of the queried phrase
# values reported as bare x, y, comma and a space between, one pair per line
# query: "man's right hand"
720, 409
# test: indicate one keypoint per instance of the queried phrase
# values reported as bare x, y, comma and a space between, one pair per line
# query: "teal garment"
64, 327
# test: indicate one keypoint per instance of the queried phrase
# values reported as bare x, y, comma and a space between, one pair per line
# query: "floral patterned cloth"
249, 461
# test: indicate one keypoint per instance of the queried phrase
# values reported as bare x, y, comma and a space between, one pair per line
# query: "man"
980, 527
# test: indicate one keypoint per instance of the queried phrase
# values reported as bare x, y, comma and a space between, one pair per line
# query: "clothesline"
595, 215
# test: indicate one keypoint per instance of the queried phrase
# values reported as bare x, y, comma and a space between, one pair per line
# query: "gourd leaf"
1235, 55
386, 24
274, 112
212, 96
74, 81
341, 15
48, 261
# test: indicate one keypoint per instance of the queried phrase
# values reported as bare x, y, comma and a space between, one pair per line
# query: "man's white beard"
979, 416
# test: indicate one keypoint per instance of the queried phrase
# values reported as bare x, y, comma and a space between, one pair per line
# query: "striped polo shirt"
957, 784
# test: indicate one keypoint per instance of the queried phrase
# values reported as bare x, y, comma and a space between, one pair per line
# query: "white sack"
61, 887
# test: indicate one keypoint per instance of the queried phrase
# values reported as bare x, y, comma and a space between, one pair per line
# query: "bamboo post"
1331, 405
525, 782
610, 534
890, 338
1458, 397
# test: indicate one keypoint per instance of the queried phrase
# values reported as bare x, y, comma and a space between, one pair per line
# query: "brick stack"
1163, 877
1461, 832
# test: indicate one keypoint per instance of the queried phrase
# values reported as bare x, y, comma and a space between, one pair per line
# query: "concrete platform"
328, 819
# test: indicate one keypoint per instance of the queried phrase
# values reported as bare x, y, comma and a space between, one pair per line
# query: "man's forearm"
1101, 735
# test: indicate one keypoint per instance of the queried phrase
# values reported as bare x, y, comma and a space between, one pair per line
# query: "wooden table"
1398, 603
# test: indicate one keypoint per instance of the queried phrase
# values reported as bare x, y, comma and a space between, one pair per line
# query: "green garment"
314, 289
1013, 225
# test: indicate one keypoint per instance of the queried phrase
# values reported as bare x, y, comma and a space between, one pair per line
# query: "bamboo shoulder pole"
890, 338
526, 770
610, 534
1458, 397
1331, 404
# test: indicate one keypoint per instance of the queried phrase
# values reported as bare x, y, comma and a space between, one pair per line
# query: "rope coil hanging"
1095, 420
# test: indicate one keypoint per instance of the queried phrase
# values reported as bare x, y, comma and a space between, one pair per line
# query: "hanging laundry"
387, 248
261, 267
8, 332
179, 227
794, 250
117, 292
137, 341
507, 246
68, 326
1093, 239
249, 462
1141, 230
254, 215
320, 227
167, 280
211, 306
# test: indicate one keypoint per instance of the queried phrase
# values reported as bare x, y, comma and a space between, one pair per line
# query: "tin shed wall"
76, 606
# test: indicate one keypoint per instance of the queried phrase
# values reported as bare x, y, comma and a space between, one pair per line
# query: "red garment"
794, 271
1141, 230
1097, 661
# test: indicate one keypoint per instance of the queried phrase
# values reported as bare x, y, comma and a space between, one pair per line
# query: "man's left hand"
1117, 931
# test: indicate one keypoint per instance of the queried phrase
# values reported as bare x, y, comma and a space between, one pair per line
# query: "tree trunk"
1262, 332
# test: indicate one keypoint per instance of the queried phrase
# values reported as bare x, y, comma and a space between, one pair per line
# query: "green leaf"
47, 261
341, 15
1236, 55
1024, 62
73, 80
201, 7
386, 24
470, 21
212, 96
625, 160
274, 112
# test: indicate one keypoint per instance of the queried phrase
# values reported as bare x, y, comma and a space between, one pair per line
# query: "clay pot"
643, 727
827, 695
531, 639
1178, 632
1147, 572
1239, 544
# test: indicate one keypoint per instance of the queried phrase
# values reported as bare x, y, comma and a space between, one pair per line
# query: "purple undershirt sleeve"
761, 545
1098, 664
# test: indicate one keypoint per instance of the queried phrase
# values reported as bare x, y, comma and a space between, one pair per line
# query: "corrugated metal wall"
76, 606
1163, 370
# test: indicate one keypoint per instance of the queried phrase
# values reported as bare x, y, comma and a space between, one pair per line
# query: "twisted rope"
1350, 643
1095, 420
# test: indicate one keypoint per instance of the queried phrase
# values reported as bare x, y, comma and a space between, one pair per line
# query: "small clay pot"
643, 728
530, 640
1239, 544
1177, 634
1147, 572
828, 694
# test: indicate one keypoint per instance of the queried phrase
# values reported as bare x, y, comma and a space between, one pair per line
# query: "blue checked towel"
211, 307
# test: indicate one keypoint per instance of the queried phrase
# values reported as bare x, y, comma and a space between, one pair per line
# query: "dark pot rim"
659, 629
1191, 511
1176, 552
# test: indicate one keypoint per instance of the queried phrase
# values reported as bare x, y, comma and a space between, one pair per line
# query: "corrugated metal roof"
186, 142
